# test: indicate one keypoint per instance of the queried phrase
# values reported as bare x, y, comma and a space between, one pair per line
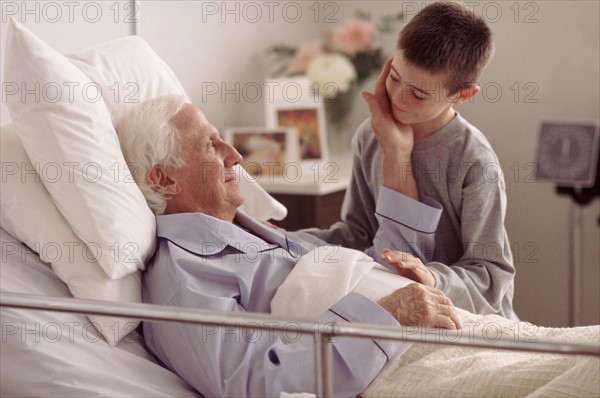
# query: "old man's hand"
420, 305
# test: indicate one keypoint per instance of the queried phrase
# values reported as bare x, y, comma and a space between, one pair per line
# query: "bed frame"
322, 332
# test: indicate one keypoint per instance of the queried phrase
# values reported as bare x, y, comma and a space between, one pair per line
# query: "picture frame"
293, 104
265, 150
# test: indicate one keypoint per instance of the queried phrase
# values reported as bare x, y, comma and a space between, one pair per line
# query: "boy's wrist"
398, 176
396, 154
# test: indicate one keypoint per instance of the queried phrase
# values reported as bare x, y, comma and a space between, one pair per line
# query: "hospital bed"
55, 345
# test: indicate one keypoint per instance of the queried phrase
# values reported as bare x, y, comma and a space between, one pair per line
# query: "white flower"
331, 74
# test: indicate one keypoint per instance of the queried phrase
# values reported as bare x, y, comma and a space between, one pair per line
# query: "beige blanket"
434, 370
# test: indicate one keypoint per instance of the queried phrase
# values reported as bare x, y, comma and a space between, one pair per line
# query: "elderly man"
212, 256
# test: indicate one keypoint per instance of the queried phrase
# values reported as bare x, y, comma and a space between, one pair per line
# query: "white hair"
148, 138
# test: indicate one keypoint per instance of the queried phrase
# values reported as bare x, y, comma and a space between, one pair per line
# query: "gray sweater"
472, 262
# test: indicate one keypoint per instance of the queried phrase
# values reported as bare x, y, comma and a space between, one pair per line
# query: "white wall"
67, 26
554, 58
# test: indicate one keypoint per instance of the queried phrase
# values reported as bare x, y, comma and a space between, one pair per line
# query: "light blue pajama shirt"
203, 262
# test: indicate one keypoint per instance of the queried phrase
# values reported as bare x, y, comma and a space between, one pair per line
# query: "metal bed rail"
323, 332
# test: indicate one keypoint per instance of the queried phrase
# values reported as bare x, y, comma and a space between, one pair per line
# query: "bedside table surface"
316, 178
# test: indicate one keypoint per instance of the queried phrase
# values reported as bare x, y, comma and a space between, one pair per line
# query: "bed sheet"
59, 354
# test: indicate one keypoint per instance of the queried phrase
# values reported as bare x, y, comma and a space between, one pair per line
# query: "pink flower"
353, 36
303, 58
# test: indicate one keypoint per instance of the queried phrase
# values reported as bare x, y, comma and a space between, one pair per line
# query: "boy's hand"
409, 266
393, 137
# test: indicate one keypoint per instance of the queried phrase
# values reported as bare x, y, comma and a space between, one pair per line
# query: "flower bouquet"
338, 63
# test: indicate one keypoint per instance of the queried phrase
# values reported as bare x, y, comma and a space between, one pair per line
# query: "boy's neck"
425, 129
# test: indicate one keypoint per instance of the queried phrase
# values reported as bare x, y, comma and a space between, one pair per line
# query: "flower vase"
339, 131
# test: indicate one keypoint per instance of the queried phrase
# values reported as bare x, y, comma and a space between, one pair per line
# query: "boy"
415, 139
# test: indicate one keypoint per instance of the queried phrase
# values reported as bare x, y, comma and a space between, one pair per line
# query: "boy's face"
416, 96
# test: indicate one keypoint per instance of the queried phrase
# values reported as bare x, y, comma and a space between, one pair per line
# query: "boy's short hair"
446, 37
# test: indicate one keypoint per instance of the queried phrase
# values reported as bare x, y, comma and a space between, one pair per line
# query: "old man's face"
206, 183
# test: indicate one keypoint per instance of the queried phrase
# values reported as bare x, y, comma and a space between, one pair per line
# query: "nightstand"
313, 193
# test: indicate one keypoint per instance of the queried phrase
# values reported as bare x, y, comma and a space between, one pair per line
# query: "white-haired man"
212, 256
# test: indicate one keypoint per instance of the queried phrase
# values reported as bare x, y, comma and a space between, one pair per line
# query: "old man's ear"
159, 179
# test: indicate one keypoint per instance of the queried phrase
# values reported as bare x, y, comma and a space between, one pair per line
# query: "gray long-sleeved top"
472, 261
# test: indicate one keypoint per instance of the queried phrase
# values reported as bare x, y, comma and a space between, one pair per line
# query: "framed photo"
265, 150
305, 112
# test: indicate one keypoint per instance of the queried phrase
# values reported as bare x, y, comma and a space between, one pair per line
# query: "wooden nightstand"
314, 198
305, 211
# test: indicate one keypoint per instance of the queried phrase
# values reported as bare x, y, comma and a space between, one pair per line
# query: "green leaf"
362, 15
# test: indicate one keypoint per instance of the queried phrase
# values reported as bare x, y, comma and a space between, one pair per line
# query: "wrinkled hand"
419, 305
409, 266
392, 135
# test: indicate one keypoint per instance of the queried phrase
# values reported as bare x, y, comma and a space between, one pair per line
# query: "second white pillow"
69, 137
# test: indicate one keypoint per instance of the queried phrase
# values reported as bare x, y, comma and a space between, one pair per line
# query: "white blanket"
325, 275
427, 370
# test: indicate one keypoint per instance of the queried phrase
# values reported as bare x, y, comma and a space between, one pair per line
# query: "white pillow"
25, 204
128, 71
67, 132
29, 215
257, 202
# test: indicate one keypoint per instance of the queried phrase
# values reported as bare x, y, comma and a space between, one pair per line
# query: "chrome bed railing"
322, 331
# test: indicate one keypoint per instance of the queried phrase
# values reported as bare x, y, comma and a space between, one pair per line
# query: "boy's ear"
159, 179
465, 94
